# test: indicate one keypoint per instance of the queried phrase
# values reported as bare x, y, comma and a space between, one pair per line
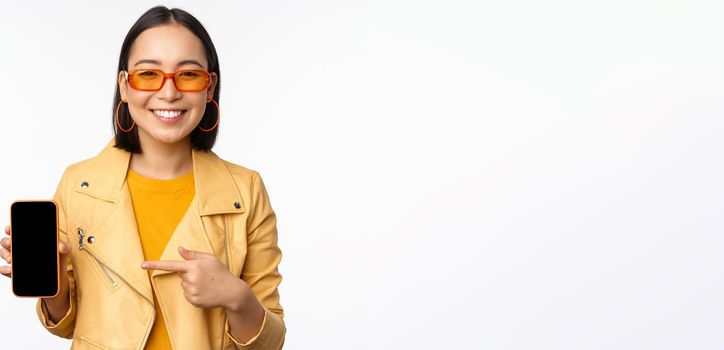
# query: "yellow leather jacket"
110, 295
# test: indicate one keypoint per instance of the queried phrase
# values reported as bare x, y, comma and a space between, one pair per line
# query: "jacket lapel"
216, 193
117, 244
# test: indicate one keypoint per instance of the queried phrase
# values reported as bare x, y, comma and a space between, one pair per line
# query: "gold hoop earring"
118, 122
218, 117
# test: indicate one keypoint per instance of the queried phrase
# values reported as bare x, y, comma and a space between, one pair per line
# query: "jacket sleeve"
65, 326
260, 270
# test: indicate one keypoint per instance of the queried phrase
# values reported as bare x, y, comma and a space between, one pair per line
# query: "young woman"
164, 244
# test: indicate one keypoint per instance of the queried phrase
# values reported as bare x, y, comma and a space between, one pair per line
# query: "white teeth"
167, 114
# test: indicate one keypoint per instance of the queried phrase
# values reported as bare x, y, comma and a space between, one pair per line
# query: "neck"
160, 160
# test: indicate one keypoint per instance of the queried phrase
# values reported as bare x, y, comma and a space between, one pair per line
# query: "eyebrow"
157, 62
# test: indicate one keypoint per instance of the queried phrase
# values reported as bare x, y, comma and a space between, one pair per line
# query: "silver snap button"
237, 205
91, 239
84, 184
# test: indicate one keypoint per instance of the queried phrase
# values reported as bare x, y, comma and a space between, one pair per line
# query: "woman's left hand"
206, 281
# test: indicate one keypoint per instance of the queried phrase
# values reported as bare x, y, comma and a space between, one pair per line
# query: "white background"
446, 174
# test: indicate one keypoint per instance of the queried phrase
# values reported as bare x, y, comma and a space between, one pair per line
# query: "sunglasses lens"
152, 79
146, 79
191, 80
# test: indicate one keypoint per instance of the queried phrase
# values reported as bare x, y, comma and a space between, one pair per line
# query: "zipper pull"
81, 234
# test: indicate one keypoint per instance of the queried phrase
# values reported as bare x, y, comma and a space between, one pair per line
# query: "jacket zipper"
105, 272
81, 235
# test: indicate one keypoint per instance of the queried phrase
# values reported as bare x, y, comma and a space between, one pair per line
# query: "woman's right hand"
5, 251
58, 305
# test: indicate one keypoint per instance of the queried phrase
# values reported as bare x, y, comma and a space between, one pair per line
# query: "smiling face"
167, 115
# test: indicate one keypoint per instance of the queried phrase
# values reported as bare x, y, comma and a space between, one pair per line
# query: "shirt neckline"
177, 183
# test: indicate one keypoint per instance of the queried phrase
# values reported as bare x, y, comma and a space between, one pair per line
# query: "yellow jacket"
111, 302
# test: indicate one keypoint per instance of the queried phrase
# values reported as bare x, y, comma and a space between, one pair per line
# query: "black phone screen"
34, 226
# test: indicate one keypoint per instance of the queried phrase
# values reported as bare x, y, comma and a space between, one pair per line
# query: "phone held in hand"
35, 261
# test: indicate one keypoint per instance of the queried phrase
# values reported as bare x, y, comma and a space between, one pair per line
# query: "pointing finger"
178, 266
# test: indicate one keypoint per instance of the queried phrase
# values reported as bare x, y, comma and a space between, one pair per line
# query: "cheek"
199, 106
199, 101
137, 102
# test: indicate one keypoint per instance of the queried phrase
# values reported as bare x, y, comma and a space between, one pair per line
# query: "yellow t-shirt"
159, 206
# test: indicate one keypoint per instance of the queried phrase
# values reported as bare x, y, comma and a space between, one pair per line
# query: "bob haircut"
157, 16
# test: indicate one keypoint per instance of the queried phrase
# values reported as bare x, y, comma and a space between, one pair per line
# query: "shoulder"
75, 170
80, 166
248, 181
241, 174
106, 155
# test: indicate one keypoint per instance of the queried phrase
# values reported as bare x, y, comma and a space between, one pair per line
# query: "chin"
170, 139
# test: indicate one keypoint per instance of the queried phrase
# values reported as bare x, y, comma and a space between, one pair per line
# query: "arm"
262, 316
58, 314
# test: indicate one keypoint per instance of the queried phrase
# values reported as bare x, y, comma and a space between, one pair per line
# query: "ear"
123, 85
212, 87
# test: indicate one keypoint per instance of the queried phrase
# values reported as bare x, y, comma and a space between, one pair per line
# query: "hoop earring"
218, 117
118, 122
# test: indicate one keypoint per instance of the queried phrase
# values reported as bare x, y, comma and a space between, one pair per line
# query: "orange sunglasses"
153, 79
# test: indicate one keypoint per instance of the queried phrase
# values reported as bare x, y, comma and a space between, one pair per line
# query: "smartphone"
35, 260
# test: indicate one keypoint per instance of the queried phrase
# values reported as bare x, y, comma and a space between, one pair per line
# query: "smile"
168, 114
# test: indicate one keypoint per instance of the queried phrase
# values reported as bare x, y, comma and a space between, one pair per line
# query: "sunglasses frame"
172, 76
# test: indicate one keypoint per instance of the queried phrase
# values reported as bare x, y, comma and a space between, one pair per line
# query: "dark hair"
157, 16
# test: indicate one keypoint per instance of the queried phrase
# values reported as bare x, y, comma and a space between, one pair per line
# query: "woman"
163, 244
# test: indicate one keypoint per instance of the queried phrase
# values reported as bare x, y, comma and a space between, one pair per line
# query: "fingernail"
144, 265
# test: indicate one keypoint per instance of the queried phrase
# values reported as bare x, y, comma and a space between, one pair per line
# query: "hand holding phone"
38, 259
6, 253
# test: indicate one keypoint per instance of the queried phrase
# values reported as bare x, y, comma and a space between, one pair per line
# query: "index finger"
178, 266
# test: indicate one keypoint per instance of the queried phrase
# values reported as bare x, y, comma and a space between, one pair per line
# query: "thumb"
64, 250
187, 254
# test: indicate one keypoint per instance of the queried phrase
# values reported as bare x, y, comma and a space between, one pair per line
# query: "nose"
168, 90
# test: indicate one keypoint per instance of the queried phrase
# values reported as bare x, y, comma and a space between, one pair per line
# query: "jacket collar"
215, 188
